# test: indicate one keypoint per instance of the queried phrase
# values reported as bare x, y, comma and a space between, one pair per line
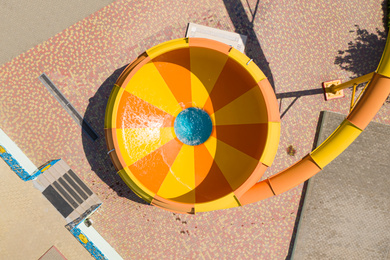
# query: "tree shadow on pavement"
364, 53
244, 26
96, 151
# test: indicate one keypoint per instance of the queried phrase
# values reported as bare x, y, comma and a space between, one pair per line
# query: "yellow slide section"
136, 143
246, 109
166, 47
231, 162
228, 201
332, 147
206, 66
150, 86
180, 180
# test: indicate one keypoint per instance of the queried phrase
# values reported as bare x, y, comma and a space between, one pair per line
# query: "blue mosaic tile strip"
19, 170
95, 252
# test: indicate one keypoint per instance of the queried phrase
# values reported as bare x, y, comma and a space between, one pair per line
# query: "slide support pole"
334, 88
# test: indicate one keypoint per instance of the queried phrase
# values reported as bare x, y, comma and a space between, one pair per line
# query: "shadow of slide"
244, 26
96, 151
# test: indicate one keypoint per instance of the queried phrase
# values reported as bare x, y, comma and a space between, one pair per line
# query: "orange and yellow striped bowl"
155, 88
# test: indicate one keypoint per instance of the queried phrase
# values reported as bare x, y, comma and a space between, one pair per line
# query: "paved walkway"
30, 225
346, 209
295, 44
24, 24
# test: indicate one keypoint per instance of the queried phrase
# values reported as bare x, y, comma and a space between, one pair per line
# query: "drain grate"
68, 106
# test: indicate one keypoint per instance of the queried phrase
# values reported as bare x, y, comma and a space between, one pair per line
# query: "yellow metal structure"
353, 97
357, 81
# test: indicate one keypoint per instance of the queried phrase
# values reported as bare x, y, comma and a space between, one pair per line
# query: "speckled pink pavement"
296, 43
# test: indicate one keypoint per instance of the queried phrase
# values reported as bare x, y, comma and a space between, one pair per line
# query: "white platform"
235, 40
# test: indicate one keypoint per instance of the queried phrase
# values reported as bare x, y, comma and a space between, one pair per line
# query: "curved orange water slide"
223, 171
142, 130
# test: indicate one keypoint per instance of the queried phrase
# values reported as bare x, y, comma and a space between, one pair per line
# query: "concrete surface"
29, 224
346, 209
24, 24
